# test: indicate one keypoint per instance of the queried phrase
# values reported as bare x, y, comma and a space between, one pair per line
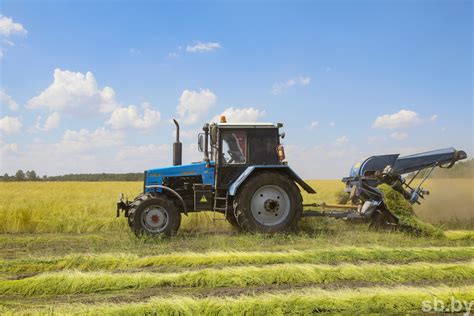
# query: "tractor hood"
203, 169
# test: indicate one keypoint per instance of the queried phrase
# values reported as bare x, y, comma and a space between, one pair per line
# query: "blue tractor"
244, 175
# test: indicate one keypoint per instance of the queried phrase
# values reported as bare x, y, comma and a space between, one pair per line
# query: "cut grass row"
327, 235
309, 301
287, 274
336, 255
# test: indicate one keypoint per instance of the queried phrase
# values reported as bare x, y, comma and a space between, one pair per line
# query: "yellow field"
63, 251
28, 207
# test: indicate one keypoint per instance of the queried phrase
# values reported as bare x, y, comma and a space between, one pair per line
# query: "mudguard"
282, 168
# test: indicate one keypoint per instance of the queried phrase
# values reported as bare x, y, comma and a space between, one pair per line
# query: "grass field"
63, 251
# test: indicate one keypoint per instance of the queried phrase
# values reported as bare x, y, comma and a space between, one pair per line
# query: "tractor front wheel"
154, 214
269, 202
129, 218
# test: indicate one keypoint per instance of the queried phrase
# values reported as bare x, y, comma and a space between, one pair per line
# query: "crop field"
63, 251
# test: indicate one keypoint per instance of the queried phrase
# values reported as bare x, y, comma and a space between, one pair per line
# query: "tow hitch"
123, 206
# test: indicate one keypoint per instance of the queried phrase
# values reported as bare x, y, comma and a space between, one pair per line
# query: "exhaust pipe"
177, 148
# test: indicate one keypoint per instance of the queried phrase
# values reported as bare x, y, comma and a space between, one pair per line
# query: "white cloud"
84, 139
341, 140
10, 125
239, 115
173, 55
78, 151
129, 117
7, 152
280, 87
8, 42
305, 80
135, 51
332, 124
194, 104
434, 117
328, 69
7, 148
323, 161
399, 135
376, 139
184, 133
200, 47
142, 151
401, 119
313, 125
75, 93
6, 100
443, 129
8, 27
51, 122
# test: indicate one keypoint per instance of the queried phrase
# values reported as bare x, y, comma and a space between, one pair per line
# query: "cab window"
234, 147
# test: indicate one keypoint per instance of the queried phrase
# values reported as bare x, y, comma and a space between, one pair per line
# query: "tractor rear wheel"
154, 214
231, 219
269, 202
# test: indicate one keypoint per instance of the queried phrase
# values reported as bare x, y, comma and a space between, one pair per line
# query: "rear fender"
280, 168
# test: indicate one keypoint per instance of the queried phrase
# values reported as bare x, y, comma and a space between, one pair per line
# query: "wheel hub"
270, 205
155, 218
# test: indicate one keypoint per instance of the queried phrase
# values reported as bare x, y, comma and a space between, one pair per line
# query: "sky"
92, 86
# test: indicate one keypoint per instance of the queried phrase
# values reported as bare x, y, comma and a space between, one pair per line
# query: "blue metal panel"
235, 185
375, 163
155, 176
419, 161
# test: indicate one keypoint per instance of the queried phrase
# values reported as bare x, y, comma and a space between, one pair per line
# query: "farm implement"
367, 200
245, 176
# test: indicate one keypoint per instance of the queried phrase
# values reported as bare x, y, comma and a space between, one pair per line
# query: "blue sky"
348, 79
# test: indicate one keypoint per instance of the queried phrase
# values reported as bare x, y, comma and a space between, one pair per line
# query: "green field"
63, 251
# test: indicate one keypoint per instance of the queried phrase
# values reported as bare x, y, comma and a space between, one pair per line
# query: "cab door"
233, 156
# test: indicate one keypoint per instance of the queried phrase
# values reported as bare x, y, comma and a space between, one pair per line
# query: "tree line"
462, 169
31, 175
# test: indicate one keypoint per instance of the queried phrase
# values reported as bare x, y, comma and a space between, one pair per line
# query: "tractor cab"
233, 147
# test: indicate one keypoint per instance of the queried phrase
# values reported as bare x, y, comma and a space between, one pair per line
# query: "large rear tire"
154, 215
232, 220
269, 202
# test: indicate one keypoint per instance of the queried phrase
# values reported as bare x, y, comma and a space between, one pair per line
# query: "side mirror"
282, 135
201, 142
